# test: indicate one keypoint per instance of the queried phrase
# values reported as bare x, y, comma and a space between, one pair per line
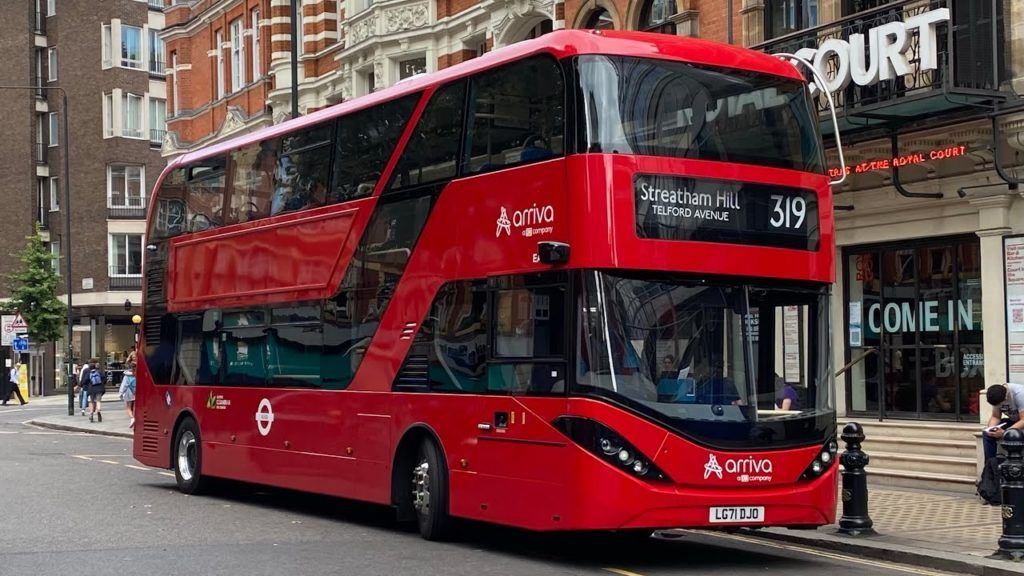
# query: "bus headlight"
823, 460
605, 443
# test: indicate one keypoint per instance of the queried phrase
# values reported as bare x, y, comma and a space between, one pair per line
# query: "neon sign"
902, 160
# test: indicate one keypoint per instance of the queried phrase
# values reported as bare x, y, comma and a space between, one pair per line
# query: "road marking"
81, 457
621, 572
830, 555
166, 474
110, 462
134, 467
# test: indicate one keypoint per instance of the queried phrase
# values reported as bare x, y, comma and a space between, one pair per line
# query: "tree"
34, 291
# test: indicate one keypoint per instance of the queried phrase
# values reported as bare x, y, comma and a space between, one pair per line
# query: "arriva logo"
747, 469
533, 221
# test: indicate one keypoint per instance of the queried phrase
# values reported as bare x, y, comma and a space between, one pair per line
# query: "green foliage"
33, 291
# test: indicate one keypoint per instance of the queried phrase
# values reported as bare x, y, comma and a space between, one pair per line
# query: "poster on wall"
1013, 259
791, 344
855, 325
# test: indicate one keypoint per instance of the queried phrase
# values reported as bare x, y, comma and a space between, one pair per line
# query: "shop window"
655, 16
517, 115
432, 152
303, 169
366, 140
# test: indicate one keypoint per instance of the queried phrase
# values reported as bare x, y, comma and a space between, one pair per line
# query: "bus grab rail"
867, 352
819, 81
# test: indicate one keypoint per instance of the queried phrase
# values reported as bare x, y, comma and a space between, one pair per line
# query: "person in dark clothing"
95, 381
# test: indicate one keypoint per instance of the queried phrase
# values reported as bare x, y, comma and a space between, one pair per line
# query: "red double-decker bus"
580, 283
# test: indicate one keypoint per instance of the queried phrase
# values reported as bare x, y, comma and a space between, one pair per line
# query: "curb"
69, 428
898, 553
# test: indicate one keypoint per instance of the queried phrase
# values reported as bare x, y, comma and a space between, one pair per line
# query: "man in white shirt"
13, 383
1007, 401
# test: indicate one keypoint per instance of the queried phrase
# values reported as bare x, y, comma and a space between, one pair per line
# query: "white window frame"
139, 64
108, 42
127, 202
51, 63
54, 193
153, 124
112, 262
157, 52
54, 124
108, 115
255, 16
174, 84
237, 54
51, 8
126, 131
55, 256
218, 45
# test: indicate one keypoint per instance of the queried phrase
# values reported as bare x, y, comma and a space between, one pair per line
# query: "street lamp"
67, 232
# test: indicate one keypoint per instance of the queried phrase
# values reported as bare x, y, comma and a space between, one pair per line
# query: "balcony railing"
40, 152
157, 67
126, 208
43, 217
156, 136
157, 4
39, 19
954, 41
125, 277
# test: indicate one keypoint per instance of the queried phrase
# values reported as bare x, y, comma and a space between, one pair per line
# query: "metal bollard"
855, 520
1011, 488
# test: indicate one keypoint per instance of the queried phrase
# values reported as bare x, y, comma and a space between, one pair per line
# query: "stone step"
924, 465
921, 447
928, 481
937, 431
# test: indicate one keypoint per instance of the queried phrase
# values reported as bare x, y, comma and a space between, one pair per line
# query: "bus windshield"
664, 108
729, 365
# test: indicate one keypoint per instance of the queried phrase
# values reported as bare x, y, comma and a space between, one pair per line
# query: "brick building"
108, 58
230, 67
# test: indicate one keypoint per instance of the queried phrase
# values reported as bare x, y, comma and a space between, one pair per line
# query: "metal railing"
158, 4
41, 152
124, 207
156, 136
125, 277
157, 67
949, 73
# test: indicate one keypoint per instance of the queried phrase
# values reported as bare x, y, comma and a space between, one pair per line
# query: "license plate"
736, 514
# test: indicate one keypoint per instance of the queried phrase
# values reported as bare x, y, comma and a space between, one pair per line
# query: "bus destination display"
707, 210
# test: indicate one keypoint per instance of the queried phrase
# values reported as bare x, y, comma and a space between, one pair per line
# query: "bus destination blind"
707, 210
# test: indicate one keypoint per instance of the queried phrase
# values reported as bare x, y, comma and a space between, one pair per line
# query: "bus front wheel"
188, 458
430, 492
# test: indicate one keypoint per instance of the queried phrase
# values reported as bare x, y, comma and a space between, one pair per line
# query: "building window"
108, 115
302, 28
174, 83
599, 19
237, 56
787, 16
125, 186
655, 16
256, 72
38, 79
131, 116
156, 52
54, 129
157, 120
52, 64
107, 50
217, 45
54, 193
55, 255
411, 67
125, 254
539, 30
51, 7
131, 47
40, 139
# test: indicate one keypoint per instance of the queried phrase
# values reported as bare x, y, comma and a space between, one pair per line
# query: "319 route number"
787, 211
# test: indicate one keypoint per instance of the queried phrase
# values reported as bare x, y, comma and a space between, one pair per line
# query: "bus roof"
561, 44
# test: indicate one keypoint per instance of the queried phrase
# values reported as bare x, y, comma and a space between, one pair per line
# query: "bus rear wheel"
430, 492
188, 458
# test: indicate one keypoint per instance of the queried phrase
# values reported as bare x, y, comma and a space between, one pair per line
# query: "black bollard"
1011, 488
855, 520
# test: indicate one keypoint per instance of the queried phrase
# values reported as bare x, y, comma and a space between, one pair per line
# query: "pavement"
947, 531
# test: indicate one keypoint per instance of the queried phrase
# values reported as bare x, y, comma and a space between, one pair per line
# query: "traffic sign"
20, 344
13, 324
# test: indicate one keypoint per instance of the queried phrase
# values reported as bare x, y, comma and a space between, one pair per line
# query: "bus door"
520, 457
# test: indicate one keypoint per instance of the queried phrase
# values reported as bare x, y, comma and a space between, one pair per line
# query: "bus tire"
188, 458
430, 492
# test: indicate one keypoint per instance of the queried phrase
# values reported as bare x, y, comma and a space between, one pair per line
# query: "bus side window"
295, 342
366, 141
432, 153
303, 170
529, 340
206, 194
252, 181
517, 115
170, 207
244, 341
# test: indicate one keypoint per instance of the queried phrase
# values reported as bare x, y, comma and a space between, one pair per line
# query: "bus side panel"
291, 259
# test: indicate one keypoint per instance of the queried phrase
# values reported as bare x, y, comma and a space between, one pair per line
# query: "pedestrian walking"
127, 392
13, 384
95, 381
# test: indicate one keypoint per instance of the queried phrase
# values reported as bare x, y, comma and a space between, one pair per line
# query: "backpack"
95, 377
988, 484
